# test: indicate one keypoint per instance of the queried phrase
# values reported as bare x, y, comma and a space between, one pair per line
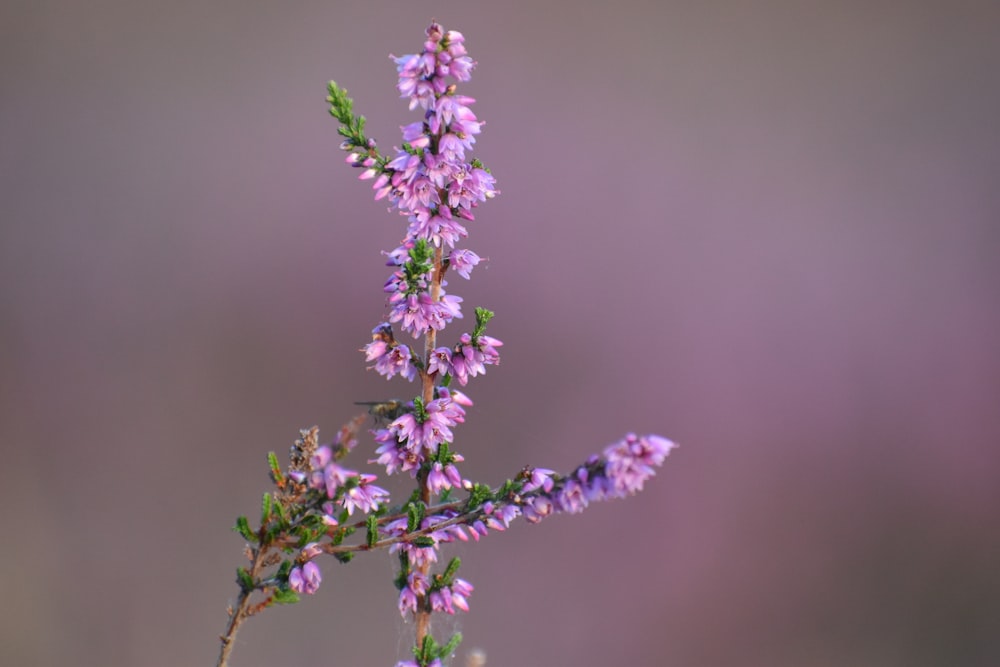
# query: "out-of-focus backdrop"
769, 231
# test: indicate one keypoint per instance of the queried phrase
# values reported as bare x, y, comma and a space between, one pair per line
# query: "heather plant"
318, 506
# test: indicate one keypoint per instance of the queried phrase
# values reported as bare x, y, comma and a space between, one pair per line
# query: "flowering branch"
431, 183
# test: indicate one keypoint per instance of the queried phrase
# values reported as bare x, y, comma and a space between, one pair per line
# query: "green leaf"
509, 487
372, 530
276, 475
419, 411
427, 651
285, 596
265, 509
243, 528
244, 579
449, 573
414, 515
483, 316
423, 541
480, 494
344, 557
282, 514
306, 536
449, 648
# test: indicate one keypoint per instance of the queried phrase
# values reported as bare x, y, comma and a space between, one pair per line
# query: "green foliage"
342, 108
244, 579
483, 316
265, 509
372, 536
509, 488
430, 650
480, 494
284, 596
419, 411
449, 648
279, 507
448, 576
415, 512
276, 475
243, 528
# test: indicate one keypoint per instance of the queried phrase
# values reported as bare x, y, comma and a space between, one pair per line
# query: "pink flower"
305, 579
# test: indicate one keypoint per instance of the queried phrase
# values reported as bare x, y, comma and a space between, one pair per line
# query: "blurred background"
769, 231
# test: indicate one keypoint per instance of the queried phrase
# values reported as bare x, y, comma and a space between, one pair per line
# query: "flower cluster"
430, 181
620, 471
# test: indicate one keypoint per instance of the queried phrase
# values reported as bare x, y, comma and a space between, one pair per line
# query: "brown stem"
240, 612
423, 613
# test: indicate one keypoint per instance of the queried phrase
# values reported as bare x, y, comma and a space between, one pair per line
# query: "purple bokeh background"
769, 231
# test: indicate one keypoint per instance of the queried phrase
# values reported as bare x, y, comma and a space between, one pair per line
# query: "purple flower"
447, 109
311, 550
329, 513
442, 415
394, 455
440, 362
630, 461
415, 135
416, 585
488, 347
572, 497
382, 187
412, 71
447, 598
305, 579
320, 458
365, 496
468, 187
418, 556
460, 591
419, 313
470, 358
335, 477
452, 147
458, 397
443, 477
499, 519
444, 534
463, 261
537, 508
398, 256
396, 361
438, 229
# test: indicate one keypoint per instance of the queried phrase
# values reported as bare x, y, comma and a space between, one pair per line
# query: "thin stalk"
423, 612
241, 612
